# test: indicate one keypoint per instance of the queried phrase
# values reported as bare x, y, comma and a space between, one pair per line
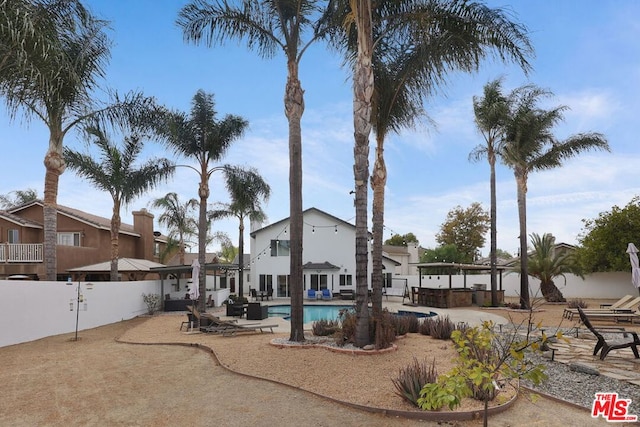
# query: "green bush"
412, 378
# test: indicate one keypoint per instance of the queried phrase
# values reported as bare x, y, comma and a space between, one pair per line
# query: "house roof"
124, 265
189, 257
246, 261
23, 222
282, 221
320, 266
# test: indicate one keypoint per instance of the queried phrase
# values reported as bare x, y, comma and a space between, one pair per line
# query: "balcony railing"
21, 252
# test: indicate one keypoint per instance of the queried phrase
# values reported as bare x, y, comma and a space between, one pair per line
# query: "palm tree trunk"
363, 89
550, 291
241, 258
54, 165
294, 108
203, 192
115, 227
378, 181
521, 182
493, 256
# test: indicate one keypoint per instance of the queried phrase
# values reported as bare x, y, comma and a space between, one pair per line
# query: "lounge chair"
603, 346
254, 294
618, 303
626, 307
311, 294
326, 295
230, 330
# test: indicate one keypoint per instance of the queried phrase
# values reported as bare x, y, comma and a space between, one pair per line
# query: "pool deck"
393, 304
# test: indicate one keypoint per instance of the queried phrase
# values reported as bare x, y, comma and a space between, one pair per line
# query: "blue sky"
587, 54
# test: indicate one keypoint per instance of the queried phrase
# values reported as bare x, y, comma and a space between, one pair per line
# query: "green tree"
401, 240
53, 56
603, 240
466, 229
417, 44
177, 218
490, 114
268, 27
546, 263
203, 138
117, 174
442, 254
247, 189
530, 146
501, 253
20, 197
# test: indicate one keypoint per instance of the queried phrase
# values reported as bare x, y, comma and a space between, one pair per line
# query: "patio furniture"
346, 294
254, 294
618, 303
257, 311
624, 309
326, 295
311, 294
232, 330
603, 346
210, 302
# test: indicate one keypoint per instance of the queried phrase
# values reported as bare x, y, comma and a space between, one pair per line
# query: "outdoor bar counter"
442, 297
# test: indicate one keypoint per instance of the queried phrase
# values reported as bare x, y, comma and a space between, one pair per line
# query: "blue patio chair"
311, 294
326, 295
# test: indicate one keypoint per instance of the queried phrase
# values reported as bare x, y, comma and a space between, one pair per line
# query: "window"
13, 236
318, 281
346, 280
283, 286
279, 248
69, 239
156, 249
266, 282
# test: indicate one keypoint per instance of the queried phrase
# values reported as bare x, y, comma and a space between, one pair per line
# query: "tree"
546, 263
490, 113
530, 146
246, 188
177, 218
466, 229
20, 197
203, 138
61, 57
117, 174
268, 27
401, 240
417, 43
603, 240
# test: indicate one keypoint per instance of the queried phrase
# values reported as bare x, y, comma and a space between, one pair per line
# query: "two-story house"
328, 254
83, 239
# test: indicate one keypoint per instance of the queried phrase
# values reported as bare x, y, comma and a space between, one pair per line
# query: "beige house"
83, 239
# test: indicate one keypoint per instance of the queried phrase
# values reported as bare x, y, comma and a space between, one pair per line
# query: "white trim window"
280, 248
346, 280
13, 236
69, 239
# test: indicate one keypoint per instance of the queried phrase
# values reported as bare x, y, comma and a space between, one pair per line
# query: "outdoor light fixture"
335, 230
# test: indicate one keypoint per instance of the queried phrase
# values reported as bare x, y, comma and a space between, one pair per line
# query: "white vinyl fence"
30, 310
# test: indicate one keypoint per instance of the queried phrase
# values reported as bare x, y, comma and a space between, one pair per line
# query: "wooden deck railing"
21, 252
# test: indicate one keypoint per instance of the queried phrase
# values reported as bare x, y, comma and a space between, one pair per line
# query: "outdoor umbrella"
194, 290
635, 265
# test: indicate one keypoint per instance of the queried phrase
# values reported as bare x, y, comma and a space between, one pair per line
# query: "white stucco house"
328, 254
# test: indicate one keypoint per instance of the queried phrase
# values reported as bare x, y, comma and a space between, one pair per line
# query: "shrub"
575, 303
441, 327
412, 378
324, 327
425, 326
384, 330
406, 323
348, 321
512, 305
152, 301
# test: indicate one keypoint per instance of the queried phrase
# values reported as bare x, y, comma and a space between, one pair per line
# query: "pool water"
311, 313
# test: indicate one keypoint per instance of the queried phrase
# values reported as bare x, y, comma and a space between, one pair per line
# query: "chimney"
143, 225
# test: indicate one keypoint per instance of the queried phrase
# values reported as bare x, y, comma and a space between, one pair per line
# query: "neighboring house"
328, 254
83, 239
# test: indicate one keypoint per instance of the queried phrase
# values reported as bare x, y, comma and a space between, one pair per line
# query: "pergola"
451, 267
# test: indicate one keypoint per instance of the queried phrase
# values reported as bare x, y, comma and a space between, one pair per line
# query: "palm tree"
176, 217
20, 198
490, 112
529, 146
545, 263
416, 44
200, 136
268, 26
116, 174
63, 53
246, 188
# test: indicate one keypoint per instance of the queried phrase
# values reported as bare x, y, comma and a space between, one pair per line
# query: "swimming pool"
311, 313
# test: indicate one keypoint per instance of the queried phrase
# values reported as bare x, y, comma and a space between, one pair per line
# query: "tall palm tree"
530, 146
268, 27
247, 189
52, 77
177, 218
203, 138
117, 174
417, 43
546, 263
490, 113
